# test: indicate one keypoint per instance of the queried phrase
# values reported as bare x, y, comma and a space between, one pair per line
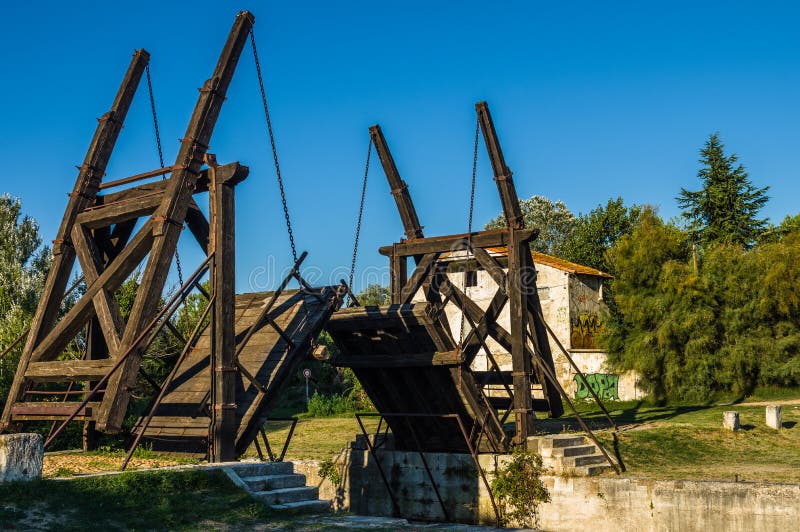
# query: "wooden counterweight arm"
83, 194
502, 173
168, 218
408, 214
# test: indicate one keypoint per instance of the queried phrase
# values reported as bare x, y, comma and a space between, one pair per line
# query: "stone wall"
578, 503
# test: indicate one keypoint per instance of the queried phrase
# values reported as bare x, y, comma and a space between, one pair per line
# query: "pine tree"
725, 209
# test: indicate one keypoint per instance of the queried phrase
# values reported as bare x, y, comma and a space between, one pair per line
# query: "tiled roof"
555, 262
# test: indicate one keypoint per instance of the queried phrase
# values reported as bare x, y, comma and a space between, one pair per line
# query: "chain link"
161, 159
274, 149
469, 223
360, 214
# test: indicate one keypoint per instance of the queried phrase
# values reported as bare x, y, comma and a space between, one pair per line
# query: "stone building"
572, 302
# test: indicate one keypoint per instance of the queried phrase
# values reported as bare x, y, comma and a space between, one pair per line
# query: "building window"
471, 278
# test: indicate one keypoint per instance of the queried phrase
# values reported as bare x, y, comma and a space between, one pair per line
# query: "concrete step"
287, 495
578, 461
257, 469
316, 506
540, 443
274, 482
577, 450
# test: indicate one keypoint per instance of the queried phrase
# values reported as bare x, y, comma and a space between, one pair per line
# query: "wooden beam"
111, 279
223, 353
106, 307
421, 273
68, 370
408, 214
89, 176
198, 226
169, 217
502, 174
444, 244
520, 359
404, 360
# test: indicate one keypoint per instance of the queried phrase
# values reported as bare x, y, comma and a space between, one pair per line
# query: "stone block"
774, 416
21, 457
730, 420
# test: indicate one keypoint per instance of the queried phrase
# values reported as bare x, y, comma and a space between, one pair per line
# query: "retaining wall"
577, 503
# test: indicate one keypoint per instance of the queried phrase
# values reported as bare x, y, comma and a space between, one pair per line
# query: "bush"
331, 405
518, 489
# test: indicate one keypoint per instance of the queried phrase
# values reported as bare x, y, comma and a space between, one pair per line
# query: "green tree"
23, 267
725, 209
552, 218
374, 295
597, 231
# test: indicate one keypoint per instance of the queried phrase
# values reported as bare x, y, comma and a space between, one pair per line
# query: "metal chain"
274, 149
469, 223
161, 159
360, 214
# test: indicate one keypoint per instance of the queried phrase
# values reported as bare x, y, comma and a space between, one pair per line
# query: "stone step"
541, 443
315, 506
274, 482
287, 495
577, 450
257, 469
578, 461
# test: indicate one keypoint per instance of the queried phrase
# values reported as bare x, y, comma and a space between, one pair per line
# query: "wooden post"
223, 350
520, 361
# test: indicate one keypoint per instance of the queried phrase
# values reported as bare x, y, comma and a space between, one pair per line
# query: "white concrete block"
21, 457
730, 420
774, 416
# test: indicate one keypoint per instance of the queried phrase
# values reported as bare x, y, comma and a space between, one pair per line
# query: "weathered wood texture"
391, 340
182, 421
89, 176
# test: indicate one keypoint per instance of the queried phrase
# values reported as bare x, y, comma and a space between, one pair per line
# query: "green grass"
689, 441
667, 442
175, 500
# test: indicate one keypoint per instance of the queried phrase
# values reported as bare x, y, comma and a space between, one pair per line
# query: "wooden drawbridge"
85, 364
274, 333
418, 371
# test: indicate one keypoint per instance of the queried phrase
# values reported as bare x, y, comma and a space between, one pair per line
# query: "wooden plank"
68, 370
444, 244
50, 410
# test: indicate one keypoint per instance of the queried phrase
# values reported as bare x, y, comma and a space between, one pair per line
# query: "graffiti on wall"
605, 385
583, 329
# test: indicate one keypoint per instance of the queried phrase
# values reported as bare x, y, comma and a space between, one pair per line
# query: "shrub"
519, 490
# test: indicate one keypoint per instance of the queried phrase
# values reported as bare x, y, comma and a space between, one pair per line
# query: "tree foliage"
553, 219
595, 232
518, 488
727, 326
725, 209
24, 263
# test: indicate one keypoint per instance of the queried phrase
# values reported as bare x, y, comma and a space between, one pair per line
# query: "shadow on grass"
636, 413
788, 424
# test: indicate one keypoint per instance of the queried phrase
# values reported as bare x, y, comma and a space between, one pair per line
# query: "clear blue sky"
591, 100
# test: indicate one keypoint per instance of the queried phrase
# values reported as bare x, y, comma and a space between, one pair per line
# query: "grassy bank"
185, 500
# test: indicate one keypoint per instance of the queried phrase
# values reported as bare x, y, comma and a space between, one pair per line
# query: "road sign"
307, 373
